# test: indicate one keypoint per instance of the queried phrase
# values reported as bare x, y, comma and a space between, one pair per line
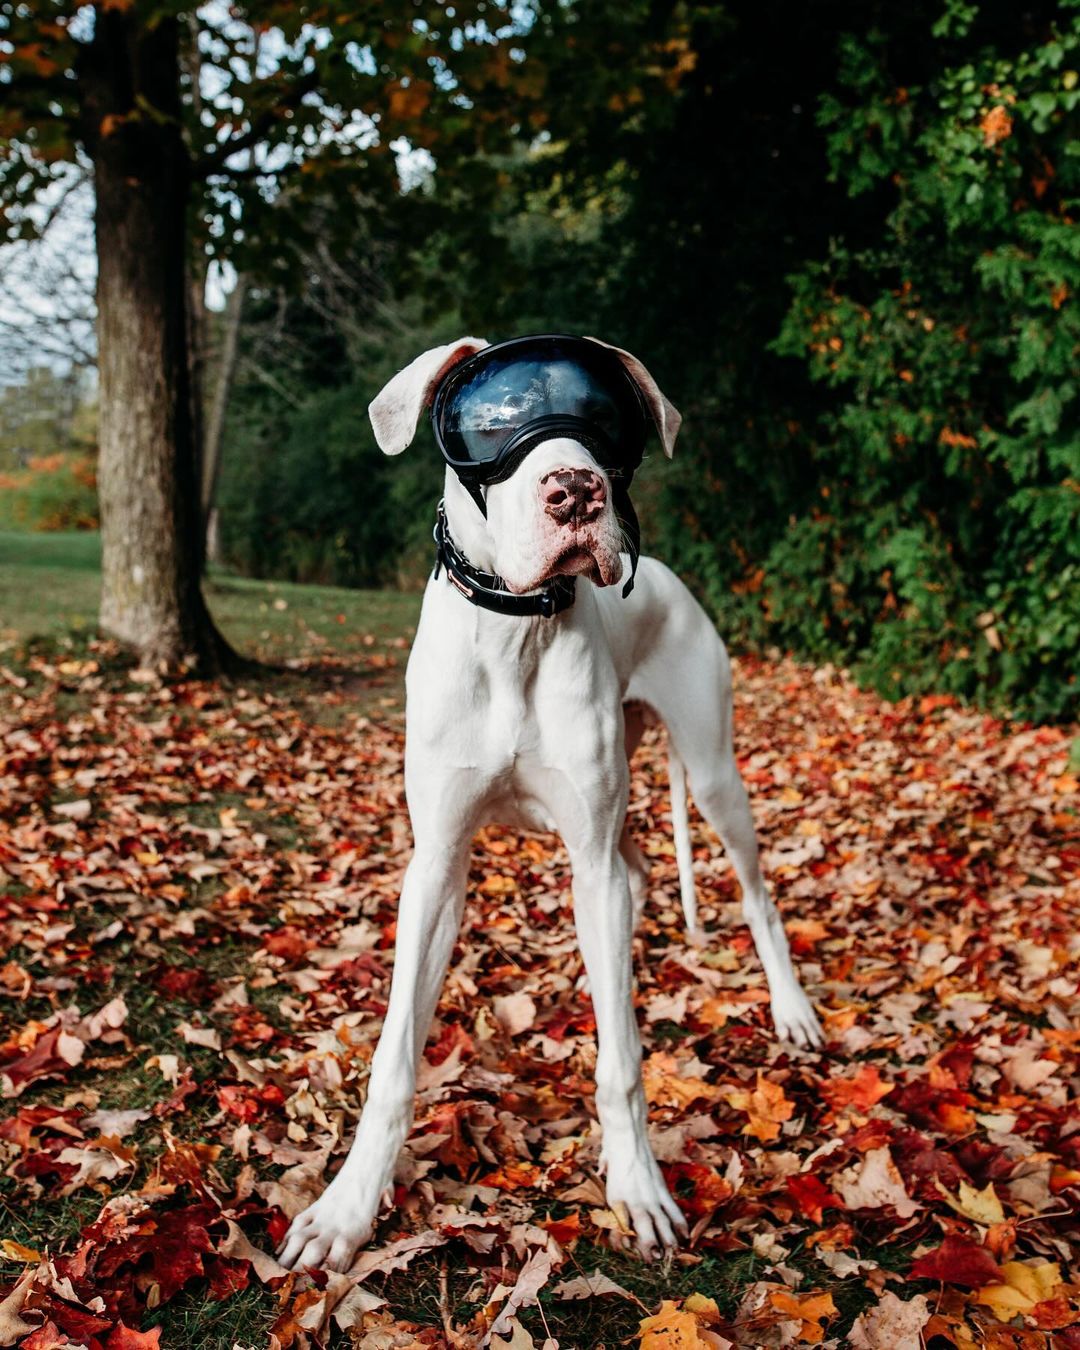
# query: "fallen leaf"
982, 1206
1023, 1287
595, 1285
532, 1277
766, 1106
678, 1328
874, 1183
957, 1261
891, 1324
517, 1012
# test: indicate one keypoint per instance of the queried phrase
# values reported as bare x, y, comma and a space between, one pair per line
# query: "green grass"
50, 586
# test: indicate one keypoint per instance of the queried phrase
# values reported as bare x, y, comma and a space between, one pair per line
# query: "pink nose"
572, 496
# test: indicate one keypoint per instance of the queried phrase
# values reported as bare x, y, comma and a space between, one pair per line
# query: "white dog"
521, 720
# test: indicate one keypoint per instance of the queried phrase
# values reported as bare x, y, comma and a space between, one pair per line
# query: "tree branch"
215, 160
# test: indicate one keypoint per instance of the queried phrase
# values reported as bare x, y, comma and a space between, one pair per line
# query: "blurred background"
841, 235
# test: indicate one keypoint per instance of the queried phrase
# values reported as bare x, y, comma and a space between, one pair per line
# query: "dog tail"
684, 857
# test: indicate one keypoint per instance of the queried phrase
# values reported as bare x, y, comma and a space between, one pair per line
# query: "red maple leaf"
812, 1196
957, 1261
699, 1190
42, 1060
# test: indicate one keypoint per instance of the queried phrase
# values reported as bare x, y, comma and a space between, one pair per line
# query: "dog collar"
483, 588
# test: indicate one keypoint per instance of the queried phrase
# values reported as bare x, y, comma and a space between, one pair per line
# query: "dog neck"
485, 590
469, 530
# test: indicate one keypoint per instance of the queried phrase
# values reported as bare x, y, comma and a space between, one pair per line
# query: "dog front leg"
328, 1233
603, 913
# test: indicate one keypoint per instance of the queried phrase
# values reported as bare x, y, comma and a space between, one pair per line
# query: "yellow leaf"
494, 884
15, 1251
766, 1106
982, 1206
703, 1308
1024, 1287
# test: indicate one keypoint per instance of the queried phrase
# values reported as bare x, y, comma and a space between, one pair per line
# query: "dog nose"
572, 495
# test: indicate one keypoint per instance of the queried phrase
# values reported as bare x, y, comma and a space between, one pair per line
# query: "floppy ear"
667, 417
396, 410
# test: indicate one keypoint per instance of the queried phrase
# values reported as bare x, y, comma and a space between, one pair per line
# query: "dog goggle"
492, 409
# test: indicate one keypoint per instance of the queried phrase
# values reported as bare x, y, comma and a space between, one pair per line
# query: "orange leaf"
665, 1087
810, 1310
512, 1176
862, 1091
565, 1230
406, 102
495, 884
767, 1108
33, 55
996, 126
675, 1328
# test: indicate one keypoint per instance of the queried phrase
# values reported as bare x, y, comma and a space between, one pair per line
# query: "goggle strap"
476, 492
624, 509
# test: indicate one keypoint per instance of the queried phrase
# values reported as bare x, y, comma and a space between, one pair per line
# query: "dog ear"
395, 411
666, 416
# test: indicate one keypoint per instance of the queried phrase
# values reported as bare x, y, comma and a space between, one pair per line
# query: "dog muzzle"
490, 411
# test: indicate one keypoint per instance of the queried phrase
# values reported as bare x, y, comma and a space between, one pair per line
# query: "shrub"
53, 492
943, 550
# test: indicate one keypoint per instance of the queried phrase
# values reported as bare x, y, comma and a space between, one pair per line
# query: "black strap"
631, 528
483, 588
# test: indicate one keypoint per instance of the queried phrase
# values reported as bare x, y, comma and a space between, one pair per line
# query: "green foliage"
946, 553
305, 492
47, 433
290, 112
852, 263
57, 492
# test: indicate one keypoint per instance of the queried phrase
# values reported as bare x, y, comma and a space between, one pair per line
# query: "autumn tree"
211, 132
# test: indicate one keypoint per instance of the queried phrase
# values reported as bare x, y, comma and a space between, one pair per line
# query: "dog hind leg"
721, 798
694, 700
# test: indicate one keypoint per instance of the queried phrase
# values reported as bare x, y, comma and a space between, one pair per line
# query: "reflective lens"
486, 407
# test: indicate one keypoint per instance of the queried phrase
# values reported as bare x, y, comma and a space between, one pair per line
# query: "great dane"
521, 720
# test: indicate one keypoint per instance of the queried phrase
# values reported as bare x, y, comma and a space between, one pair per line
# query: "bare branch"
215, 161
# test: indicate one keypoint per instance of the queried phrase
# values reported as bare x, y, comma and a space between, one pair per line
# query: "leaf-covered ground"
197, 895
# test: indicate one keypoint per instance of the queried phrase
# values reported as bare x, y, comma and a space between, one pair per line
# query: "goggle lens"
482, 405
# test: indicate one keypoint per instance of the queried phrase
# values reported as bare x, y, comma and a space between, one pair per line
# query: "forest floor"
198, 886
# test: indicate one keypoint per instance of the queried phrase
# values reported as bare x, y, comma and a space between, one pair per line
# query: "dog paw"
327, 1235
655, 1218
796, 1020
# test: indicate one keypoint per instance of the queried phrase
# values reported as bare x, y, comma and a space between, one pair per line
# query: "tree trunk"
214, 429
148, 482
